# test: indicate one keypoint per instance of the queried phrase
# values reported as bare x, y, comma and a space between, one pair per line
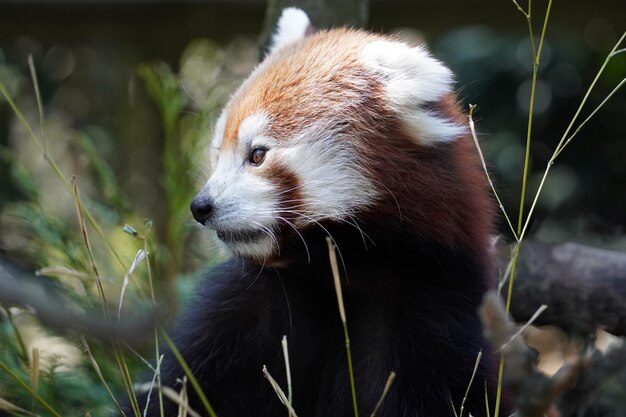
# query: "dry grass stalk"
85, 235
42, 120
469, 385
279, 392
119, 356
157, 372
342, 312
157, 349
336, 278
96, 368
470, 117
174, 396
183, 405
34, 368
188, 373
288, 372
388, 384
13, 409
521, 330
55, 271
141, 255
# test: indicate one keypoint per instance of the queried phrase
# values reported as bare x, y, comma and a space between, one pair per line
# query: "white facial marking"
431, 128
217, 139
252, 127
292, 26
259, 249
218, 133
243, 201
412, 78
332, 183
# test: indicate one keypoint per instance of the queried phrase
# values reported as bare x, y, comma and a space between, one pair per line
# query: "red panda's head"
328, 127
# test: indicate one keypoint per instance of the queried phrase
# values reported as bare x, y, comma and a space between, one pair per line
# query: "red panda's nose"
201, 208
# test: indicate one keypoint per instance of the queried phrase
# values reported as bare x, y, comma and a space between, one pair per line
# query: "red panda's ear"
413, 79
292, 26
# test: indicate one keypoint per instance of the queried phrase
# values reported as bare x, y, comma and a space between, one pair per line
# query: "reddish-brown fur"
297, 79
441, 190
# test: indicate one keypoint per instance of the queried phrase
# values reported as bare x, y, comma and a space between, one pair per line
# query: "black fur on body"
411, 308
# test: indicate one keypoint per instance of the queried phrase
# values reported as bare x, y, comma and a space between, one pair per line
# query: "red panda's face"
297, 144
264, 185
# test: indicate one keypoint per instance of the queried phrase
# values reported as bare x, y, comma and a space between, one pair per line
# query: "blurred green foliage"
40, 229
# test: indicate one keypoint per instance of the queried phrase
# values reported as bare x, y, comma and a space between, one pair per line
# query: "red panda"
359, 137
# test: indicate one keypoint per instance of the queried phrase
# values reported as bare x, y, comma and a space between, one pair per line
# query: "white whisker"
392, 196
308, 254
257, 275
287, 300
343, 264
269, 233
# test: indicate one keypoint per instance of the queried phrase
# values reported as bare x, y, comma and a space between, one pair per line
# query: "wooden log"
584, 287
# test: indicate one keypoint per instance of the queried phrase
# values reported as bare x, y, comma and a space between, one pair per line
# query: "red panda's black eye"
257, 155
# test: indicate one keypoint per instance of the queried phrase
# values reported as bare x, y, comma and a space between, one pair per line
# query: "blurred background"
129, 92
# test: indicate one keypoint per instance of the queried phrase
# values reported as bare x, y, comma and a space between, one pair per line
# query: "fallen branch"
53, 309
583, 287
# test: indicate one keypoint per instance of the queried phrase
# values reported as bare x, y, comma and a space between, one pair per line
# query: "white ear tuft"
292, 25
413, 78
